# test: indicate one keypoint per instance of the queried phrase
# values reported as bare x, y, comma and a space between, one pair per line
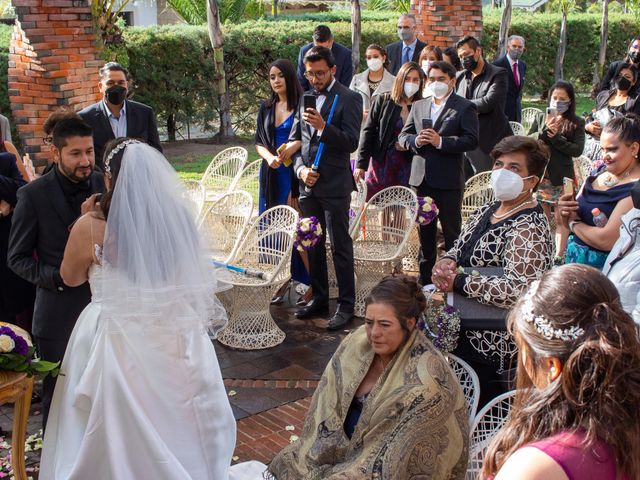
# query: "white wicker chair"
531, 115
582, 167
410, 260
469, 382
224, 223
195, 194
381, 240
477, 192
489, 420
517, 128
221, 173
249, 180
266, 247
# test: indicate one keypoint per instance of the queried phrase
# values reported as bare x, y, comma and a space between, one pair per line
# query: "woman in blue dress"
278, 184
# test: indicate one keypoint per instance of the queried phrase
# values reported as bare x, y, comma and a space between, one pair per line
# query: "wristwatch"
572, 224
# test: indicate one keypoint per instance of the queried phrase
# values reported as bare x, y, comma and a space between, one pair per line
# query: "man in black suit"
115, 116
329, 189
408, 48
484, 85
45, 211
515, 84
437, 169
322, 37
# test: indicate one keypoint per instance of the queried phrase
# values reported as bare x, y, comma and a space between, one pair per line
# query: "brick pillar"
443, 22
53, 64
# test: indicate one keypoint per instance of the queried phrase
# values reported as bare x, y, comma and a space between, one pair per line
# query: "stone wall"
442, 22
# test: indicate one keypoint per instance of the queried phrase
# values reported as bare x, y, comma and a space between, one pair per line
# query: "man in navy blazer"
115, 116
409, 47
322, 37
515, 83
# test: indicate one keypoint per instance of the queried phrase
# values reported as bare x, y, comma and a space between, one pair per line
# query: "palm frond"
194, 12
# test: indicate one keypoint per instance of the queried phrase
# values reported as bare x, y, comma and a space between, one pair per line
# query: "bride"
142, 395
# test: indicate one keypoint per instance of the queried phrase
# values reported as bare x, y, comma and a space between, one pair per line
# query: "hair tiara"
542, 325
114, 152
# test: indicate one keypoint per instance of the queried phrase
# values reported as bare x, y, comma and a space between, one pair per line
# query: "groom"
42, 219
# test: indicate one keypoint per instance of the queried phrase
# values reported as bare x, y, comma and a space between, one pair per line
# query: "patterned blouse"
521, 244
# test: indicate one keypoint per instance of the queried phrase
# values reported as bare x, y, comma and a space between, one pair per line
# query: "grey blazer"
360, 84
5, 129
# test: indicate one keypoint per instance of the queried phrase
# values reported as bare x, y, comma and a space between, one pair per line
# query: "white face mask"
425, 67
374, 64
439, 89
410, 89
507, 185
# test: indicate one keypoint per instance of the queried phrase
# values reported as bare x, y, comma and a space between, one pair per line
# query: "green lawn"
192, 166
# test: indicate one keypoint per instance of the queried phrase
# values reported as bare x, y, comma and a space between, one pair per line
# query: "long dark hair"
294, 90
598, 390
627, 59
114, 170
569, 118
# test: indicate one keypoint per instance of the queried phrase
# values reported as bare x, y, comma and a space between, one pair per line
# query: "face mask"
405, 34
115, 95
469, 63
410, 89
374, 64
634, 56
425, 67
515, 54
439, 89
506, 184
623, 83
560, 106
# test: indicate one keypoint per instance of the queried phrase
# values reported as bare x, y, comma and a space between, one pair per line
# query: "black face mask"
634, 56
116, 95
623, 83
635, 195
469, 63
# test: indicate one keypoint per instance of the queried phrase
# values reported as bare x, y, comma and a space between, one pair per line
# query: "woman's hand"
567, 210
358, 174
594, 128
5, 208
288, 152
91, 204
444, 271
552, 125
274, 161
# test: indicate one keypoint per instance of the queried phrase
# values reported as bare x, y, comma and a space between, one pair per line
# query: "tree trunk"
171, 127
604, 38
275, 8
356, 29
505, 24
217, 41
562, 48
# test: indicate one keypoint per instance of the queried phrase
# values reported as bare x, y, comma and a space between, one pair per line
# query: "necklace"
509, 212
612, 181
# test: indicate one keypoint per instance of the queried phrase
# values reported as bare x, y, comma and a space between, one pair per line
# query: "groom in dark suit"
115, 116
329, 189
437, 169
45, 211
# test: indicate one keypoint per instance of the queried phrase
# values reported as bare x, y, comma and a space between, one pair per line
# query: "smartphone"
552, 111
309, 102
568, 186
427, 123
287, 161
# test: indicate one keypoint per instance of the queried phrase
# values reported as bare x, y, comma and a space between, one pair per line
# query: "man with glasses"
517, 69
326, 193
322, 37
409, 47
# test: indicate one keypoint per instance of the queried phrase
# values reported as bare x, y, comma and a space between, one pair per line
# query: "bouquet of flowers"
441, 325
427, 210
308, 233
18, 355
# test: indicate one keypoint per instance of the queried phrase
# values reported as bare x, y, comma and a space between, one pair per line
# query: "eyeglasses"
318, 75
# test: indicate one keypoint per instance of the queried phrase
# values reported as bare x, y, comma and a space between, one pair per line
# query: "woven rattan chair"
582, 167
489, 420
410, 260
249, 180
381, 240
224, 223
530, 116
517, 128
222, 172
477, 192
469, 382
266, 247
195, 194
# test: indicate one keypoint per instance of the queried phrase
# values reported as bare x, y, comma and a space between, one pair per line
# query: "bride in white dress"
142, 396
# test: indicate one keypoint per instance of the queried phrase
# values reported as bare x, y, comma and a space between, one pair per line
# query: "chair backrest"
223, 169
224, 223
358, 201
268, 242
517, 128
530, 116
582, 167
477, 192
488, 421
249, 180
195, 194
388, 218
469, 382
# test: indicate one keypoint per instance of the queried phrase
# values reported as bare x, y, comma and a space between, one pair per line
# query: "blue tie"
405, 54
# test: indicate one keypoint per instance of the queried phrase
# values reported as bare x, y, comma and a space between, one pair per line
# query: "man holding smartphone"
325, 192
439, 130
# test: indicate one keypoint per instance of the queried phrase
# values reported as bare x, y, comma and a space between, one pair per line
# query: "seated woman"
511, 233
388, 406
608, 192
575, 414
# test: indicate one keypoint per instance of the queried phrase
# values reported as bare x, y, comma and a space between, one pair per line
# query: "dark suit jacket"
340, 139
513, 103
378, 132
41, 222
488, 95
394, 52
141, 124
342, 57
457, 125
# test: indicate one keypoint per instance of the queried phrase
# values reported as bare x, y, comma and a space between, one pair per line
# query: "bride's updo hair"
402, 293
112, 163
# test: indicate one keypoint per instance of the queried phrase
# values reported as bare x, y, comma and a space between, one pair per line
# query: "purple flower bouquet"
441, 325
427, 210
308, 234
17, 355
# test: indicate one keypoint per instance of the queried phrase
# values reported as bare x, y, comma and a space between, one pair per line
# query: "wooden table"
16, 388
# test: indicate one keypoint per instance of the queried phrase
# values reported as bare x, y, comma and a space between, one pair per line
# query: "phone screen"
427, 123
309, 101
568, 186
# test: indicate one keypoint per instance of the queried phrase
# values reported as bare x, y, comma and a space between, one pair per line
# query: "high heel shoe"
305, 297
284, 291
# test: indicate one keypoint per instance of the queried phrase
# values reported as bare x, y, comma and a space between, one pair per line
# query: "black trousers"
449, 204
333, 214
51, 350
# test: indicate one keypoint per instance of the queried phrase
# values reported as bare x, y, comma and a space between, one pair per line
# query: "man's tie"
405, 54
515, 74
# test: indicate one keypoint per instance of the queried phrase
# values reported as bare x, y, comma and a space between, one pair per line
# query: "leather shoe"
339, 320
313, 309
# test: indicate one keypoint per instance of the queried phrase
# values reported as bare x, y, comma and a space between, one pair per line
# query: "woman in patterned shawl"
387, 407
511, 233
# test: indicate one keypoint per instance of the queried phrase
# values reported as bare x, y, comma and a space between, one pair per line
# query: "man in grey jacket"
5, 129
